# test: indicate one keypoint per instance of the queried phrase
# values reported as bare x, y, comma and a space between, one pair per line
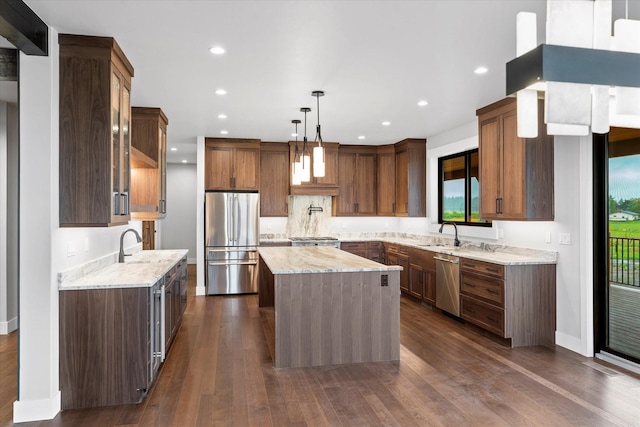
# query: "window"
459, 189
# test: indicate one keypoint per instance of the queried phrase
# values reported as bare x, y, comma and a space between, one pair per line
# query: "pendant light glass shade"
305, 169
318, 151
296, 162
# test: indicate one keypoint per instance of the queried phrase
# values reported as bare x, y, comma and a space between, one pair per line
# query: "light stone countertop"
498, 254
317, 259
142, 269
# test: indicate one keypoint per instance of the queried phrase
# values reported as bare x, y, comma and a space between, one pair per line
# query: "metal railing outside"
624, 261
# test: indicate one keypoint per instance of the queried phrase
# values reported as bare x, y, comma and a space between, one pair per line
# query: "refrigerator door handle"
236, 216
229, 223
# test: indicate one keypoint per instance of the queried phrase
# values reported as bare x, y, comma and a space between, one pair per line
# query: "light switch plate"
564, 238
547, 237
71, 249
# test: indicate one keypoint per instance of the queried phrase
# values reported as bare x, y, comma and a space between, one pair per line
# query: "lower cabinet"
113, 340
516, 302
369, 250
399, 255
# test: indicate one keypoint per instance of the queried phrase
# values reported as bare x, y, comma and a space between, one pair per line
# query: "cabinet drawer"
482, 314
353, 246
481, 267
485, 288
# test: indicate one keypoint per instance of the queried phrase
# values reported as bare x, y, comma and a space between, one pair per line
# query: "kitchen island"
331, 307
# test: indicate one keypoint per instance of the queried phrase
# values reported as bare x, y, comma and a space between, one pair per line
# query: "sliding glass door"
617, 242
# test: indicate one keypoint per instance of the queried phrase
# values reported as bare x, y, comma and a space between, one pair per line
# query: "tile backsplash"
302, 223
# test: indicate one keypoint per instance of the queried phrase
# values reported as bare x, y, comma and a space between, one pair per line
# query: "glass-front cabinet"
95, 116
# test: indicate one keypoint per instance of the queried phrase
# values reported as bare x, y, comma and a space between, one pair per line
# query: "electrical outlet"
86, 244
547, 237
71, 249
564, 238
384, 280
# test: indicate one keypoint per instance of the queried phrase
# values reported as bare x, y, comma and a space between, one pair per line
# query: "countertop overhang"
142, 269
317, 259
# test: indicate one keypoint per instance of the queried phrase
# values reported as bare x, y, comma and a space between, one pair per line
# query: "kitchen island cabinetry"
275, 168
320, 186
370, 250
175, 300
386, 181
410, 179
95, 113
516, 174
232, 164
112, 328
357, 194
149, 163
330, 306
516, 302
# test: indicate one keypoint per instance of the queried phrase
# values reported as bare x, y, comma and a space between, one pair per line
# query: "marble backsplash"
303, 223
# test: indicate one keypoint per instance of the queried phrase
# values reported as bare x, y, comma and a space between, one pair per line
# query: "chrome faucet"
456, 242
121, 255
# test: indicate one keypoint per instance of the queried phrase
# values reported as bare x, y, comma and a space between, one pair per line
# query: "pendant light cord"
318, 134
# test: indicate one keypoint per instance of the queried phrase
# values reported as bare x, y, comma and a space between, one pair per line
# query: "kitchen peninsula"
331, 307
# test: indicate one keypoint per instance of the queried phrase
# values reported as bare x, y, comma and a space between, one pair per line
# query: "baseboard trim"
36, 410
200, 291
571, 343
9, 326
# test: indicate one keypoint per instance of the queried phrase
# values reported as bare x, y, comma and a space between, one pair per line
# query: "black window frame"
467, 165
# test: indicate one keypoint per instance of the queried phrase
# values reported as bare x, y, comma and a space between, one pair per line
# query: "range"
315, 241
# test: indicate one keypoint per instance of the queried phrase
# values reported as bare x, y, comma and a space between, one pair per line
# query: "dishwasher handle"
452, 261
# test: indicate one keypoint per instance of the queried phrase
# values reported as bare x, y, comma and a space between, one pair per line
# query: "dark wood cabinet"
516, 174
516, 302
275, 168
386, 181
148, 163
370, 250
399, 255
175, 299
95, 115
327, 185
232, 164
410, 173
422, 272
357, 179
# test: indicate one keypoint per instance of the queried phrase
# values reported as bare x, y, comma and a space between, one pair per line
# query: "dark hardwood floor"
220, 373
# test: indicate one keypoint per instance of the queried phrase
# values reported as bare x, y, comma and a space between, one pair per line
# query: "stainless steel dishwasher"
448, 283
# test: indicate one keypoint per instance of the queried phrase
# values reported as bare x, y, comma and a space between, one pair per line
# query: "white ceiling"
374, 59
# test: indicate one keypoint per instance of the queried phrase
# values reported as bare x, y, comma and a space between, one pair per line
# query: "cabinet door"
246, 169
403, 261
274, 180
513, 158
386, 185
162, 171
402, 183
490, 168
429, 290
346, 199
365, 184
120, 149
219, 168
416, 280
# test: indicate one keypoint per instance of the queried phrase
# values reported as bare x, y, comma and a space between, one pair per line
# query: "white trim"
9, 326
570, 343
200, 269
619, 361
36, 410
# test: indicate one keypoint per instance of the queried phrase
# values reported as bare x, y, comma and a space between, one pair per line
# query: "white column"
200, 264
39, 394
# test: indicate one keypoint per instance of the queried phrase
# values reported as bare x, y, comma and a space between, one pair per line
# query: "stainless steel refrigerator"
231, 242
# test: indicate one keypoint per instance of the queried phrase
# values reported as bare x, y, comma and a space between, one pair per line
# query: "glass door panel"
115, 143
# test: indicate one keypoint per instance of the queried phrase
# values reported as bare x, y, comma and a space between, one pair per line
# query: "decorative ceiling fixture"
318, 152
296, 164
305, 158
590, 77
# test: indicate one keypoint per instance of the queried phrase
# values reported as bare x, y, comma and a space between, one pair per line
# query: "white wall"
179, 226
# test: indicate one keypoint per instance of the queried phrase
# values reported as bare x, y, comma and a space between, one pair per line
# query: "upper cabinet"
357, 178
386, 176
232, 164
411, 181
148, 163
516, 174
326, 185
95, 112
274, 181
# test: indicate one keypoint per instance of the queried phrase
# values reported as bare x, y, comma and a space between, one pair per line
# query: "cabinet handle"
470, 285
393, 207
491, 319
125, 203
493, 270
471, 311
491, 291
498, 205
406, 206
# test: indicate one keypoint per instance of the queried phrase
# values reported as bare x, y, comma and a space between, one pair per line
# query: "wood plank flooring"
220, 373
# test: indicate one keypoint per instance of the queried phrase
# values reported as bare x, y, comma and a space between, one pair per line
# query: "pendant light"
296, 164
305, 175
318, 152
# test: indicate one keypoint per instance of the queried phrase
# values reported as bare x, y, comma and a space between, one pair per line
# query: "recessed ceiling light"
224, 132
217, 50
184, 161
174, 149
222, 116
221, 92
423, 103
386, 123
361, 137
481, 70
